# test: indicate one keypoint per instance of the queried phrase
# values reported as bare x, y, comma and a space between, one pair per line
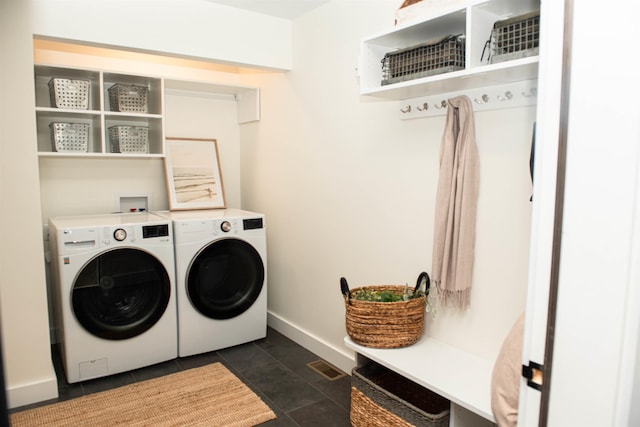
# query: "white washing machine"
113, 292
221, 259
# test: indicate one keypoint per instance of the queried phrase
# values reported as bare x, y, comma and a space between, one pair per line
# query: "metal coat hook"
442, 105
483, 99
424, 107
406, 110
507, 95
532, 92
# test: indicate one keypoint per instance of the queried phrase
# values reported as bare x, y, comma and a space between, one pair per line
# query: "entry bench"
461, 377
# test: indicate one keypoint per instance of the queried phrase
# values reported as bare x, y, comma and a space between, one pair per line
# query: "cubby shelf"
474, 19
98, 116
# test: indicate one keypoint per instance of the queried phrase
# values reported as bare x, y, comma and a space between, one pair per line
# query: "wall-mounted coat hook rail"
510, 95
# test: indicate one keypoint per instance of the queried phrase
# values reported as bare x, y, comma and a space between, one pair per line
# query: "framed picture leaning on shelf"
192, 169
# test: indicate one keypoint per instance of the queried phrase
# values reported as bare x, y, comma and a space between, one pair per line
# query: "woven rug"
206, 396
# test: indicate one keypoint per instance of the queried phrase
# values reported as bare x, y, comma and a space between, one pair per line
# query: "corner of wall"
336, 356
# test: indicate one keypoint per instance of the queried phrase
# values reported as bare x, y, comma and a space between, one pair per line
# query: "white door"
595, 374
544, 200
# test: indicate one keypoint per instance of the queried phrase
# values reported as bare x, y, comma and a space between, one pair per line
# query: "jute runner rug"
206, 396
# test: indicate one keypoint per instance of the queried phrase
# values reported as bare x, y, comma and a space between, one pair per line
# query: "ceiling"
288, 9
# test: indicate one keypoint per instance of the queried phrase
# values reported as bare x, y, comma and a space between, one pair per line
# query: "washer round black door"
121, 293
225, 279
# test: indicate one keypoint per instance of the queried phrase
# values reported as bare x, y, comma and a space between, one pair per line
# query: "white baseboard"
26, 394
342, 359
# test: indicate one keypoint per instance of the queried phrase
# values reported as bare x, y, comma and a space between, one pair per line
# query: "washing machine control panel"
135, 233
225, 226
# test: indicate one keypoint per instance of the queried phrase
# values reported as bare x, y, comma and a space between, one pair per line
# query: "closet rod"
510, 95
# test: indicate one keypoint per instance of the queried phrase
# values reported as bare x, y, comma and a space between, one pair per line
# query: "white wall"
209, 116
29, 373
188, 28
348, 190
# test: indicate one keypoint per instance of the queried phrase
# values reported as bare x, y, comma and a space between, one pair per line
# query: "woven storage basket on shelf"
383, 398
385, 324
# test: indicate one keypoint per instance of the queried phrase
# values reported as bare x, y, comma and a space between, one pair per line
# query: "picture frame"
192, 170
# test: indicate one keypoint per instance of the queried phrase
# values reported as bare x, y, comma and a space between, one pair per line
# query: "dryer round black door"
225, 279
121, 293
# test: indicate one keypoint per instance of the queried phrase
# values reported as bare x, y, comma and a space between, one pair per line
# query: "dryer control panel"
227, 226
252, 223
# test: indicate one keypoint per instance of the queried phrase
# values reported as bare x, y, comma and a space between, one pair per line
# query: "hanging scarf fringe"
458, 299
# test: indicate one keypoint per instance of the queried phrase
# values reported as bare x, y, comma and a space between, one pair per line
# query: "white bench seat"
461, 377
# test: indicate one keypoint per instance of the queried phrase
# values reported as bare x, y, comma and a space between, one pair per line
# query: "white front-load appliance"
221, 259
113, 292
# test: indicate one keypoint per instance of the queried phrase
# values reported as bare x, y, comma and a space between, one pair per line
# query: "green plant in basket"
372, 294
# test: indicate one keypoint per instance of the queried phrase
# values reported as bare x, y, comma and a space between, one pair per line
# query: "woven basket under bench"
382, 398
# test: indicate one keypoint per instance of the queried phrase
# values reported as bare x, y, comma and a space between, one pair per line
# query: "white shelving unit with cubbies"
474, 21
104, 119
99, 114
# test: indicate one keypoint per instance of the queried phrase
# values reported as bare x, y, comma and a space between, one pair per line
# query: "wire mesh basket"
128, 98
381, 398
516, 37
70, 94
69, 137
129, 139
423, 60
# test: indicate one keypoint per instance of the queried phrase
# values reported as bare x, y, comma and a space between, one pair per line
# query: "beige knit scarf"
456, 202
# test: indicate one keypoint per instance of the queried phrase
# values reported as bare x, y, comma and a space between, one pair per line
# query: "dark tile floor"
275, 368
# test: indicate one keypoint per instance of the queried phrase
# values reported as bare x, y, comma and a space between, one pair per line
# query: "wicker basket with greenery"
386, 316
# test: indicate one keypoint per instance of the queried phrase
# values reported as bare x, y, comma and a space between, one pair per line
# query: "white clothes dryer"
113, 292
221, 277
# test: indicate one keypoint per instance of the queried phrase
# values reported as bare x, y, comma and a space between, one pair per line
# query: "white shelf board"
206, 87
461, 377
59, 154
482, 76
